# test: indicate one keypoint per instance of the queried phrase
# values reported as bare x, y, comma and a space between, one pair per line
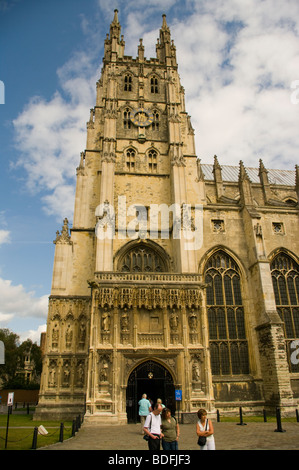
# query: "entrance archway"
155, 380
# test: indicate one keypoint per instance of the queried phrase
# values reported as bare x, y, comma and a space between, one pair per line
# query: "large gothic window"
285, 278
227, 335
142, 259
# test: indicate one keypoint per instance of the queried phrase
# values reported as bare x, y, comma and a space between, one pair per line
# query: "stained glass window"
142, 259
285, 278
228, 343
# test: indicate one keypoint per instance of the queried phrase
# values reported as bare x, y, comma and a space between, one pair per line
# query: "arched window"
152, 160
156, 123
127, 118
128, 83
130, 159
142, 258
285, 278
228, 343
154, 85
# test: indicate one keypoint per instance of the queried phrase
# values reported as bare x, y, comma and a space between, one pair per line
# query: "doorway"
155, 380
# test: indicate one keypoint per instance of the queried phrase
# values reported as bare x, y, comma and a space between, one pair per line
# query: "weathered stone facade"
138, 311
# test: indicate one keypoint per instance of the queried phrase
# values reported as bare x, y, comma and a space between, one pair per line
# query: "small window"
127, 119
154, 85
152, 161
278, 228
217, 225
130, 159
156, 123
128, 83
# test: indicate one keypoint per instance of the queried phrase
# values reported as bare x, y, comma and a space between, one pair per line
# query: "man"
152, 427
144, 410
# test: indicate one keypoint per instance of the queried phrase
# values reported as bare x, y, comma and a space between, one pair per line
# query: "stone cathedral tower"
163, 283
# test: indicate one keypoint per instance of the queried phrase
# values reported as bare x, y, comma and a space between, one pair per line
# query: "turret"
165, 48
114, 45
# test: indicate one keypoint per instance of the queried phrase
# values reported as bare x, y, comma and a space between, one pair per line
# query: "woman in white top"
204, 427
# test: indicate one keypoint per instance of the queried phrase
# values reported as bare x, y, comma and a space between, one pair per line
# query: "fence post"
241, 418
61, 432
218, 416
278, 420
74, 427
34, 440
297, 416
265, 416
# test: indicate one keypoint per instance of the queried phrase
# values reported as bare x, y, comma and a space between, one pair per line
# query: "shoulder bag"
202, 439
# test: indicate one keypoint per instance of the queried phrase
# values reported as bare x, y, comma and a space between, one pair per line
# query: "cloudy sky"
239, 65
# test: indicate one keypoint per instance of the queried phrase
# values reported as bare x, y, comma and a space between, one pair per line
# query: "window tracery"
130, 159
285, 278
128, 83
228, 342
152, 160
142, 259
127, 119
156, 121
154, 85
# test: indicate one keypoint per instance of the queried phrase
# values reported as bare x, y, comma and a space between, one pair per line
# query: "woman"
170, 431
204, 427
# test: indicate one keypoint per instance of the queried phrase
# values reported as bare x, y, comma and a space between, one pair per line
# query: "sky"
238, 63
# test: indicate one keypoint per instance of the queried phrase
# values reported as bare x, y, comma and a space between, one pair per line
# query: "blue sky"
239, 65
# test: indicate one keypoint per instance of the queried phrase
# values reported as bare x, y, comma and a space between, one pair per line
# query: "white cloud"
16, 302
237, 61
34, 335
51, 134
238, 82
4, 236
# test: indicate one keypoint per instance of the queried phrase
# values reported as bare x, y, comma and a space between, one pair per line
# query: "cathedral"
177, 278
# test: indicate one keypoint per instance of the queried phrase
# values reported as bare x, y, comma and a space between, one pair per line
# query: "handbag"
202, 439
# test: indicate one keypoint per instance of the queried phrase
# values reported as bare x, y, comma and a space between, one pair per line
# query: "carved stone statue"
106, 321
69, 337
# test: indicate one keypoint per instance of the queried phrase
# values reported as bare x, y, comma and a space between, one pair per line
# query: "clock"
142, 117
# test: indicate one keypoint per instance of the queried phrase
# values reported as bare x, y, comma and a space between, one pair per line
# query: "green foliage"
11, 343
14, 361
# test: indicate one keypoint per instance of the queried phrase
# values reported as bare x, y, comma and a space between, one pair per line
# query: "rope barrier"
75, 427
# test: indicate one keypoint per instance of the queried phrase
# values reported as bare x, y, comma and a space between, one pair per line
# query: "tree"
14, 360
11, 343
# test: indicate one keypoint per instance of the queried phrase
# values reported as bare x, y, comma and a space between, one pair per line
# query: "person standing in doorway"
159, 401
144, 409
152, 427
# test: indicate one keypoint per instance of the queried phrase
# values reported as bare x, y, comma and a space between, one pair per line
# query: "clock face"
142, 117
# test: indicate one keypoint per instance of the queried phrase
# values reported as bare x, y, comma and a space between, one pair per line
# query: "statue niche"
105, 325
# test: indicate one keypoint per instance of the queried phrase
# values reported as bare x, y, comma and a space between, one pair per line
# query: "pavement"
228, 436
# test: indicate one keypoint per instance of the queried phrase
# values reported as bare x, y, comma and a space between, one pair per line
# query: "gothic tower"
133, 307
